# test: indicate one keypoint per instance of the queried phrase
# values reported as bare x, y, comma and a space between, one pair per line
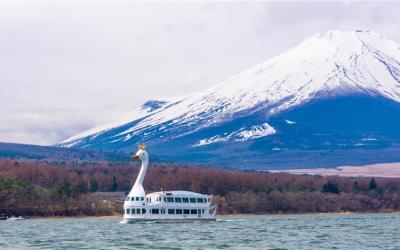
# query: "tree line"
60, 188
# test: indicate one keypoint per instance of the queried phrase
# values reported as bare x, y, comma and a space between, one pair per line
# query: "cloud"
67, 66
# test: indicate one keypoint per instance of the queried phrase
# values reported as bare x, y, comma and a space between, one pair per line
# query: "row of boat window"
163, 210
185, 200
135, 211
170, 199
137, 198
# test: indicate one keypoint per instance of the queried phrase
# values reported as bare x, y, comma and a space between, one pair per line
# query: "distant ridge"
34, 152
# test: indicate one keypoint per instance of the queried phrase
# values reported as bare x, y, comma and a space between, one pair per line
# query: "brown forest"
68, 189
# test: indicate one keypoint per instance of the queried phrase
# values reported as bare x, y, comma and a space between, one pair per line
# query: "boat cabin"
172, 203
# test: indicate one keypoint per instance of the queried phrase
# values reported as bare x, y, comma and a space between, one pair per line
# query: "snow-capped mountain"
282, 105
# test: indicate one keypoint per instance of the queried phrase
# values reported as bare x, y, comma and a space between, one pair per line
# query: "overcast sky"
65, 67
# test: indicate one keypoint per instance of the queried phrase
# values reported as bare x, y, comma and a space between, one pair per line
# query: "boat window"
185, 200
137, 210
127, 211
199, 200
148, 199
155, 211
205, 200
193, 211
143, 211
142, 198
186, 211
133, 211
202, 211
127, 198
199, 211
170, 199
165, 199
179, 211
132, 198
137, 198
171, 211
192, 200
178, 199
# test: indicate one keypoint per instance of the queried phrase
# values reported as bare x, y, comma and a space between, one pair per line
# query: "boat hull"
184, 220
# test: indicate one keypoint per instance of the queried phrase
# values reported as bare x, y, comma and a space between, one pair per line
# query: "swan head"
141, 154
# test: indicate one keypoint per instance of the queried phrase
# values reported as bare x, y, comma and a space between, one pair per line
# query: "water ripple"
350, 231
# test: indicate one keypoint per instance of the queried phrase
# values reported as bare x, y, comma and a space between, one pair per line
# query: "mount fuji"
332, 100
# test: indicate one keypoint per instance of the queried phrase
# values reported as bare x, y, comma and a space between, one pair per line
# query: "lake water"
347, 231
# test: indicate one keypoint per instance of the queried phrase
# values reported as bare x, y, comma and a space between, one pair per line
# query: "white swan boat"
175, 206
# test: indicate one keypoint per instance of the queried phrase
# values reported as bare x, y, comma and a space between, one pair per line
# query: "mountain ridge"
326, 65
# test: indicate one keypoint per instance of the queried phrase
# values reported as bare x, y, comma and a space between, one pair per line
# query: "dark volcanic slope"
347, 130
33, 152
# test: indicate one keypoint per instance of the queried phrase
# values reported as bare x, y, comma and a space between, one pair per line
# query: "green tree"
94, 186
356, 186
330, 187
372, 184
78, 188
64, 190
114, 184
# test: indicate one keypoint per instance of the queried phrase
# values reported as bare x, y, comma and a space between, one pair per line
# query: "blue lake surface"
322, 231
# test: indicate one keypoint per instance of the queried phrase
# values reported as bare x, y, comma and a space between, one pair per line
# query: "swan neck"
142, 173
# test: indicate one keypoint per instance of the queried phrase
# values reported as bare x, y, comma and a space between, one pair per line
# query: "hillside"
34, 152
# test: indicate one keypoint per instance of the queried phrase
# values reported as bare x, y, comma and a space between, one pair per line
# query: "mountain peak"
342, 36
334, 39
325, 64
351, 41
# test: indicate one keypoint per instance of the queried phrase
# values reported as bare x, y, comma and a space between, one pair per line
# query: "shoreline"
120, 216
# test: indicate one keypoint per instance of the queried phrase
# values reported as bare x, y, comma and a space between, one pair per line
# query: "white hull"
167, 220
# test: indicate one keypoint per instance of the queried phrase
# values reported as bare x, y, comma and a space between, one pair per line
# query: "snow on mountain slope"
144, 110
328, 64
240, 135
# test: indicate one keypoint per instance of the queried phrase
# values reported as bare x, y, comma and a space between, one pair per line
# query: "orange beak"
135, 156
